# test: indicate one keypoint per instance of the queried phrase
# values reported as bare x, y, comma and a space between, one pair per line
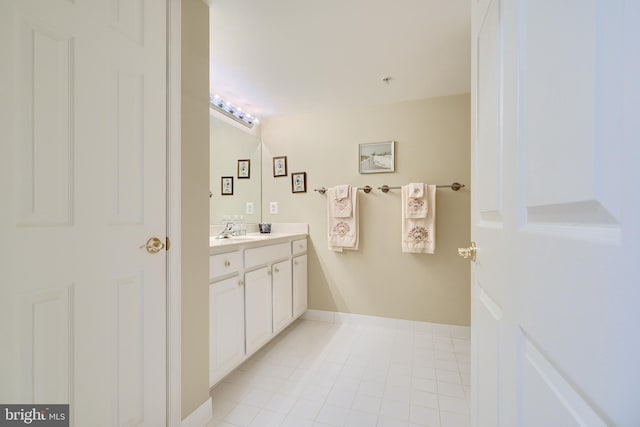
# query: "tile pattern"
339, 374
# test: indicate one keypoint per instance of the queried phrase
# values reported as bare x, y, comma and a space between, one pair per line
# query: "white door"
257, 306
282, 295
555, 213
299, 285
226, 327
82, 181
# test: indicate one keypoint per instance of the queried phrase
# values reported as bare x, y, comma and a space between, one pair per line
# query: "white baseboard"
201, 416
438, 329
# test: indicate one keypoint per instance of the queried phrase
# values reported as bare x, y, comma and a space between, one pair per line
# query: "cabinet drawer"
224, 264
266, 254
299, 246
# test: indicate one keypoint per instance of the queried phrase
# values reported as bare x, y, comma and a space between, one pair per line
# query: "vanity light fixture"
232, 111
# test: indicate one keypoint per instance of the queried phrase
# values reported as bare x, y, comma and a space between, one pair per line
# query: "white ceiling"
277, 57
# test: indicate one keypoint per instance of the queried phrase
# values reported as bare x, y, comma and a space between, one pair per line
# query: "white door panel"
258, 306
226, 327
486, 360
300, 282
82, 118
282, 295
488, 149
555, 282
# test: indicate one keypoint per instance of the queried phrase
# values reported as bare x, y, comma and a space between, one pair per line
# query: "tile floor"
331, 374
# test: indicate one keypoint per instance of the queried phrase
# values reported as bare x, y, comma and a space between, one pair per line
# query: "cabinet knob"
241, 282
277, 270
227, 263
268, 272
295, 262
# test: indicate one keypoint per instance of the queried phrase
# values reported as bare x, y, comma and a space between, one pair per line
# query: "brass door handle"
154, 245
468, 253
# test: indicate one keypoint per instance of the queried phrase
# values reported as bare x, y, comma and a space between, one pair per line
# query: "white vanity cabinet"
252, 291
282, 295
299, 246
299, 285
258, 308
226, 327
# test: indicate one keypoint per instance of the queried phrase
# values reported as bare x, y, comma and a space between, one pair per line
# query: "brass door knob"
154, 245
469, 252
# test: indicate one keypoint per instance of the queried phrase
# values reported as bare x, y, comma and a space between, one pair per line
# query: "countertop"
251, 240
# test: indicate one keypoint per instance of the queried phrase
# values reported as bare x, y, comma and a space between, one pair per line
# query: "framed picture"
280, 166
244, 169
376, 157
227, 186
298, 182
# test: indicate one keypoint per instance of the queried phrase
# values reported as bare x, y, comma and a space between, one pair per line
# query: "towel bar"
366, 189
454, 186
385, 188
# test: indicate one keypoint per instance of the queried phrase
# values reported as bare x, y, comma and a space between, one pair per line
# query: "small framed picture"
298, 182
244, 169
280, 166
227, 186
377, 157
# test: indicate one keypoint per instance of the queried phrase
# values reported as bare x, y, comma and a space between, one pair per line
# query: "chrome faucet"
227, 232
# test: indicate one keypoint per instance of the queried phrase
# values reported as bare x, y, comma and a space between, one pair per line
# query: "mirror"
230, 144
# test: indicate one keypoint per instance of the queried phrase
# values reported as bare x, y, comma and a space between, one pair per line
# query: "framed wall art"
280, 166
377, 157
226, 186
298, 182
244, 169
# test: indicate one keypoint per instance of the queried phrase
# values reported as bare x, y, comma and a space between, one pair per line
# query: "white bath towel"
342, 231
416, 202
342, 201
419, 234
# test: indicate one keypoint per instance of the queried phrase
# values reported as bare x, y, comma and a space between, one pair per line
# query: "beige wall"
432, 146
195, 205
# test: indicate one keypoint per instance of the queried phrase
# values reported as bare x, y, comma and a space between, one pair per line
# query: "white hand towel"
416, 189
342, 201
419, 234
416, 202
342, 191
342, 231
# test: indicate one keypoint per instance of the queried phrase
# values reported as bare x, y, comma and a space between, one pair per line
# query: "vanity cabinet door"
257, 308
282, 295
299, 285
226, 327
